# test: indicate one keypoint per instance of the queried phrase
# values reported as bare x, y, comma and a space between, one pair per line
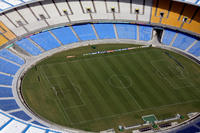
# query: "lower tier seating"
10, 56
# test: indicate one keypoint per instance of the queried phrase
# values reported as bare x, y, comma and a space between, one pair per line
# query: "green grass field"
99, 92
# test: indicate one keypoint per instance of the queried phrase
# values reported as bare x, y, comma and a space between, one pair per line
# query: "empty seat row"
181, 41
54, 38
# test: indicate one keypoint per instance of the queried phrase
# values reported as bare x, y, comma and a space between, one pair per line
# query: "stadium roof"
193, 2
9, 4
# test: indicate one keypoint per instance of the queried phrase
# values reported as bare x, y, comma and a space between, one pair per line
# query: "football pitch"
99, 92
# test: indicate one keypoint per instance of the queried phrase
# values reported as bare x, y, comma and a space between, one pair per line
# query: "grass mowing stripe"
143, 75
156, 86
116, 93
90, 96
93, 79
70, 78
129, 70
58, 100
68, 84
89, 89
115, 67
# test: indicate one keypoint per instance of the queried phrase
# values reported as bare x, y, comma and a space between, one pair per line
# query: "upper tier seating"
5, 35
65, 35
168, 36
194, 25
85, 32
127, 31
29, 47
174, 14
45, 40
10, 56
183, 41
145, 33
6, 31
105, 31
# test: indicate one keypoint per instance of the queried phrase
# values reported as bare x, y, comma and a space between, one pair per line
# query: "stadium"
76, 66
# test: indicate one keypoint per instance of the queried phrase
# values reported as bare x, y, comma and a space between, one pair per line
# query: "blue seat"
195, 50
7, 105
145, 33
127, 31
65, 35
5, 80
21, 115
168, 36
198, 123
6, 92
10, 56
85, 32
45, 40
8, 67
191, 129
37, 123
105, 31
29, 47
183, 41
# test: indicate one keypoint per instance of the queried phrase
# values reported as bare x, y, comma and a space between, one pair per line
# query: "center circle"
120, 81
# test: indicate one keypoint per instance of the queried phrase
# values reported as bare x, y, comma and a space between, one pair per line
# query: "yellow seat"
194, 26
159, 6
6, 32
174, 14
3, 40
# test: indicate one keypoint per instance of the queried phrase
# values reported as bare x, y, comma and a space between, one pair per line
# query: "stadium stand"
85, 32
174, 14
7, 105
11, 124
3, 40
194, 24
105, 31
10, 56
21, 115
42, 14
127, 31
45, 40
8, 67
183, 41
65, 35
168, 36
6, 92
5, 80
145, 33
198, 123
159, 7
6, 32
37, 123
29, 47
195, 50
190, 129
